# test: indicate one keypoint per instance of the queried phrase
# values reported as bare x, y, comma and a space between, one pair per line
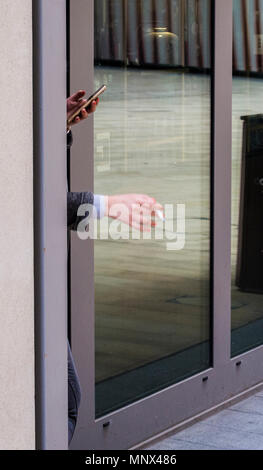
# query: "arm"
74, 200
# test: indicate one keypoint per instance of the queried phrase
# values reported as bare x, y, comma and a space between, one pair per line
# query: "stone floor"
238, 427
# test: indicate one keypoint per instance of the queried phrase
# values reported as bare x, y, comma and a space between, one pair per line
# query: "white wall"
17, 422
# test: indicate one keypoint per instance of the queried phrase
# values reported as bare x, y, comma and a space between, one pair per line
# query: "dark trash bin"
249, 274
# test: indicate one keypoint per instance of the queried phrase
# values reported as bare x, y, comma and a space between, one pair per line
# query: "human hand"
135, 210
75, 101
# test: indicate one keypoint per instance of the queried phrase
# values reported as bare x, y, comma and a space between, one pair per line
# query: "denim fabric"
74, 200
74, 395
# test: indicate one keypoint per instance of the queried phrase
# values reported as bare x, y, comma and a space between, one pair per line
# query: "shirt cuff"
99, 204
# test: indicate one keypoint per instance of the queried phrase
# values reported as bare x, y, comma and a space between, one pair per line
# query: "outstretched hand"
136, 210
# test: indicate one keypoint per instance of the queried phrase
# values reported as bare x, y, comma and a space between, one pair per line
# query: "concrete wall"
17, 422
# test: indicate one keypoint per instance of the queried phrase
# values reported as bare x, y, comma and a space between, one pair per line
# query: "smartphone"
93, 97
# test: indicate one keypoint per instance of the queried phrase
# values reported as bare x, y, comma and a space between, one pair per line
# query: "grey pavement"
238, 427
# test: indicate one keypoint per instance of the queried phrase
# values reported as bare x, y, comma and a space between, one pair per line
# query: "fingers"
143, 199
73, 106
152, 212
84, 113
78, 95
149, 204
76, 120
92, 107
136, 210
141, 218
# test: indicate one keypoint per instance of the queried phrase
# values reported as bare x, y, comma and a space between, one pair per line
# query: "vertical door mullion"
50, 223
82, 256
222, 144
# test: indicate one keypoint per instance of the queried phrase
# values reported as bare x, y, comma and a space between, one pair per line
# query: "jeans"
74, 395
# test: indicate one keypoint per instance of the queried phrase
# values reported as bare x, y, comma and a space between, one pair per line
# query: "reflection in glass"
152, 136
247, 173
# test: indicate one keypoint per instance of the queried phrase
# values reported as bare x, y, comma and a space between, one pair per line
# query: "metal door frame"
229, 377
50, 223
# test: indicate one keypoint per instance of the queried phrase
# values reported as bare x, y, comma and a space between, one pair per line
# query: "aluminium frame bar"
50, 224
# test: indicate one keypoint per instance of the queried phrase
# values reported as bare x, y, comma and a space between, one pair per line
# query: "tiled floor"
239, 427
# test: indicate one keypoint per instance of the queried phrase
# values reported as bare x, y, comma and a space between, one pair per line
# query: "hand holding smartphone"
93, 97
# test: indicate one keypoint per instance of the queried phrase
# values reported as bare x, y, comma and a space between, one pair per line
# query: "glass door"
150, 286
247, 173
151, 143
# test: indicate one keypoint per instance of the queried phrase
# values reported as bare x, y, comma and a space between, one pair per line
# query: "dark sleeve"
69, 139
74, 200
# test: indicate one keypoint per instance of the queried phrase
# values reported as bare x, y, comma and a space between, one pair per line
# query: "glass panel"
152, 138
247, 176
